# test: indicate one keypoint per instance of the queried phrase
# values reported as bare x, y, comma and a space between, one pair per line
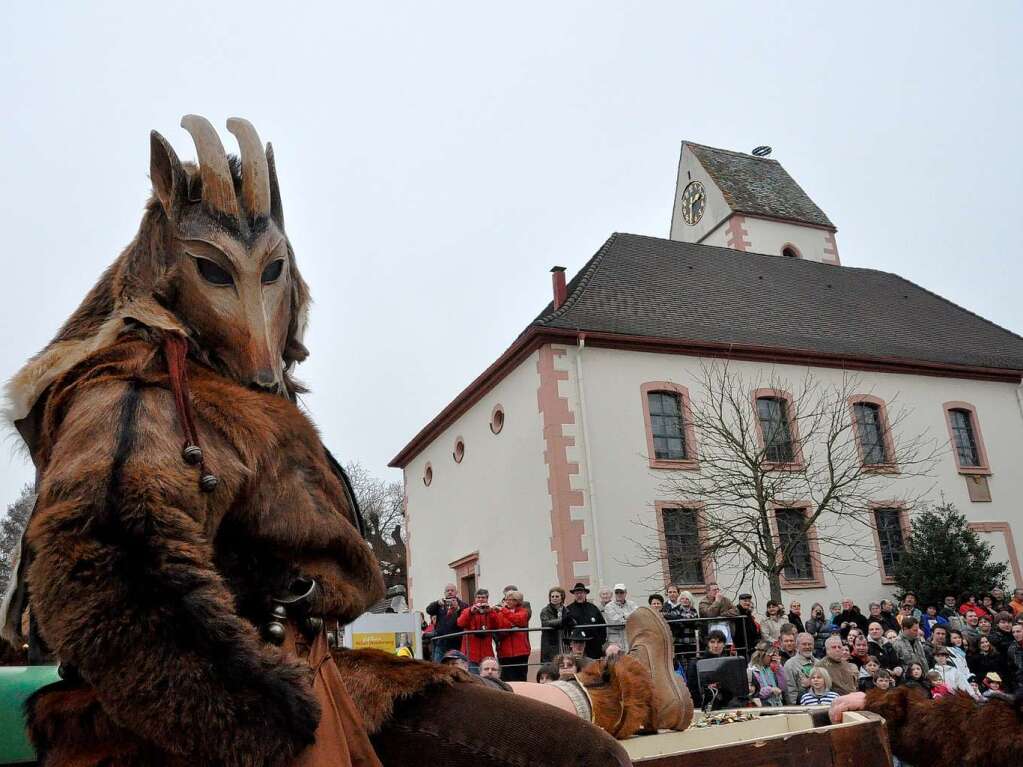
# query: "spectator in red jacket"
513, 647
480, 617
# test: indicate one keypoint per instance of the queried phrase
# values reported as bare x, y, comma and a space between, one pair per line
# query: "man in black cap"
587, 616
747, 632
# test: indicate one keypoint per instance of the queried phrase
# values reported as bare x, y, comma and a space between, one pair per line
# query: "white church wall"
495, 501
626, 487
716, 210
771, 236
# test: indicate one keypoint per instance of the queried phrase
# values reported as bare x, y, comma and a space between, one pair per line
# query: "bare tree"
807, 451
383, 513
11, 527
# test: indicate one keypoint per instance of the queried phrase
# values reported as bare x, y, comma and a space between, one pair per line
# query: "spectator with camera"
513, 647
483, 618
445, 612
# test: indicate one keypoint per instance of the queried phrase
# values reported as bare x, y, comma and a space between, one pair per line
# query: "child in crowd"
548, 672
819, 692
936, 687
916, 676
883, 679
993, 687
868, 672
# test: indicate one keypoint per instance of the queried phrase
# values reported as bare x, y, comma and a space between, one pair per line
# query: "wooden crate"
787, 737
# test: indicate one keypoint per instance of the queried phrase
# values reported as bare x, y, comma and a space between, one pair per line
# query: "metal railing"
698, 635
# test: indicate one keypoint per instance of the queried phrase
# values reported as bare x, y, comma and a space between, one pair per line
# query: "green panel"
16, 684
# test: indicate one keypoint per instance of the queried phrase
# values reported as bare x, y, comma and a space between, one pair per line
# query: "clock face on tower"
694, 200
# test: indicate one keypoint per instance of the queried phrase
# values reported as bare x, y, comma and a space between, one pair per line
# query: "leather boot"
621, 696
650, 643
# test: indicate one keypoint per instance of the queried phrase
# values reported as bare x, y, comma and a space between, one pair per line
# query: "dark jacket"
816, 628
682, 631
852, 616
586, 615
797, 621
981, 664
1015, 666
884, 653
889, 622
552, 642
748, 640
447, 623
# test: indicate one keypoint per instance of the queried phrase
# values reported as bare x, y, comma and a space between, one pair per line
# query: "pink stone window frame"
985, 466
817, 581
709, 570
890, 467
796, 464
793, 248
904, 523
692, 462
1010, 544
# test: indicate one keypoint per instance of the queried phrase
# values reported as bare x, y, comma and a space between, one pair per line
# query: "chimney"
558, 280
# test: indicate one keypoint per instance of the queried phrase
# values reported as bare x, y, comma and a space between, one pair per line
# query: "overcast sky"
437, 158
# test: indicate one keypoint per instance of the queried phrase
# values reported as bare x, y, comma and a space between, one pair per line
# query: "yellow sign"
378, 640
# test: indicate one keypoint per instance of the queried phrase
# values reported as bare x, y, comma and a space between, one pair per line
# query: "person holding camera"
445, 613
480, 617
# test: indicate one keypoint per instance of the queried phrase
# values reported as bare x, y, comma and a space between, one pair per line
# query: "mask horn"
276, 210
255, 173
217, 186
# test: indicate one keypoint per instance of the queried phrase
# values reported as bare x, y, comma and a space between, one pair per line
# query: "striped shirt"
811, 698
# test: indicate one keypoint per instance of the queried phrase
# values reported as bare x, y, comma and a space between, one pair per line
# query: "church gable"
748, 203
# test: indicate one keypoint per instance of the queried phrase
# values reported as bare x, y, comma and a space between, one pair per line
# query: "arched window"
963, 438
872, 434
666, 425
790, 251
671, 442
966, 438
776, 429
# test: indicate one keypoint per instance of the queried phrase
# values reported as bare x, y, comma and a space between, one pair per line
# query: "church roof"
758, 186
664, 296
646, 286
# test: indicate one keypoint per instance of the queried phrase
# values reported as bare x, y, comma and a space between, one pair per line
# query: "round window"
428, 475
459, 453
497, 419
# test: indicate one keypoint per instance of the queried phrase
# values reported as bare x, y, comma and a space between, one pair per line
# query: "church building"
549, 467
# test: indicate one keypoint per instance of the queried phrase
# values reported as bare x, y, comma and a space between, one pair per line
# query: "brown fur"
951, 731
377, 680
621, 692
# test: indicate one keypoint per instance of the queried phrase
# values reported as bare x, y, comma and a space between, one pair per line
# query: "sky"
436, 159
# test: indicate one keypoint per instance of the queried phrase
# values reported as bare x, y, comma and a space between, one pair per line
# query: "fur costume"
180, 489
952, 731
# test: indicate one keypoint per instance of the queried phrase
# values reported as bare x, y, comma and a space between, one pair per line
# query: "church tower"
747, 202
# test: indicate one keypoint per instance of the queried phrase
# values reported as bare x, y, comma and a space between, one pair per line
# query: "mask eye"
273, 270
212, 273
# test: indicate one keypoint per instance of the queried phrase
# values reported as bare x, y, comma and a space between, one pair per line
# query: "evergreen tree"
10, 531
944, 556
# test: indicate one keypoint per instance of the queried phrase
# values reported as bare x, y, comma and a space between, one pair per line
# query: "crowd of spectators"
972, 643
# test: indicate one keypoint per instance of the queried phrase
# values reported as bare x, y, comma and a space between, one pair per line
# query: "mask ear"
276, 211
169, 179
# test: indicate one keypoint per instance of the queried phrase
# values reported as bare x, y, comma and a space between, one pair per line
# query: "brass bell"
274, 633
192, 455
208, 482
